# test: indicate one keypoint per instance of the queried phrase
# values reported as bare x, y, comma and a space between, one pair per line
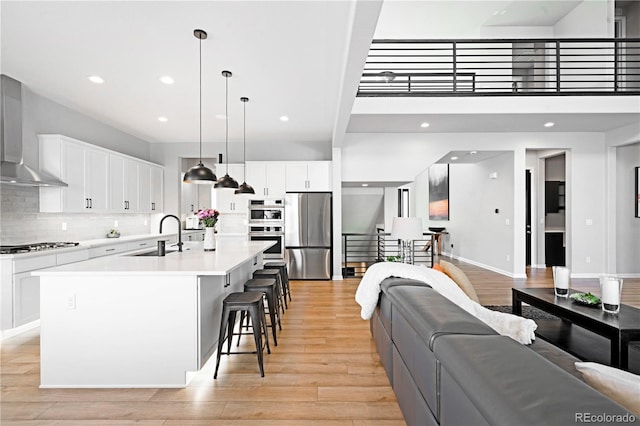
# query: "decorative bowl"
436, 229
586, 299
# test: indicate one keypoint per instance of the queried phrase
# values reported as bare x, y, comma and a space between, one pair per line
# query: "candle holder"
561, 280
610, 290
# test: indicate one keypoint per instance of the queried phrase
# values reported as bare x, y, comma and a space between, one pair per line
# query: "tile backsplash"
21, 222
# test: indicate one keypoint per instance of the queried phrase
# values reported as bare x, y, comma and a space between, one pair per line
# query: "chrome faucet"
179, 229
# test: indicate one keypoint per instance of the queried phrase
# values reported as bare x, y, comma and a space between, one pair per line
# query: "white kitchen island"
138, 321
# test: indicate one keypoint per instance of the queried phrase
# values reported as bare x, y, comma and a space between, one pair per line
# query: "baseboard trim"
489, 267
337, 278
599, 274
19, 330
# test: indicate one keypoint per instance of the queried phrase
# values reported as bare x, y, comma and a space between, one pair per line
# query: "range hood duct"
12, 167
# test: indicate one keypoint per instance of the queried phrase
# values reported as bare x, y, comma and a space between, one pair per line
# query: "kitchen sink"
155, 252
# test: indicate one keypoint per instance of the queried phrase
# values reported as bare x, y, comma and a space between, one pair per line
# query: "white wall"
362, 209
42, 115
627, 225
380, 157
591, 18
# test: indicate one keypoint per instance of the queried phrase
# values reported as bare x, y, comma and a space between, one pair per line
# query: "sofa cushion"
460, 278
621, 386
431, 314
507, 383
390, 282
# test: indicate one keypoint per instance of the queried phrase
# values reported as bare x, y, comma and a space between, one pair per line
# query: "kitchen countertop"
99, 242
230, 253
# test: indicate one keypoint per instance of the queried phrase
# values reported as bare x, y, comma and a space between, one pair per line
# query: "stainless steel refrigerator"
307, 235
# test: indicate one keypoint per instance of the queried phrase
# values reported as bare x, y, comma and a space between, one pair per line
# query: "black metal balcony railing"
502, 67
359, 251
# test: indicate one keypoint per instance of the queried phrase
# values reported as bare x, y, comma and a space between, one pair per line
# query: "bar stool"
268, 287
275, 274
282, 266
252, 304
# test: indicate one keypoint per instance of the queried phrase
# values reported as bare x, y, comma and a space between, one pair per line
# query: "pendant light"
245, 188
200, 173
226, 181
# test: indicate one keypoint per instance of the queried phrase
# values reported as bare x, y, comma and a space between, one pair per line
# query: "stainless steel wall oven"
269, 233
266, 223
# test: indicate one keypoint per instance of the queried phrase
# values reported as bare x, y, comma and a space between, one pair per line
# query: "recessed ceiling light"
549, 124
163, 119
221, 116
473, 152
454, 158
424, 125
167, 79
96, 79
365, 184
284, 118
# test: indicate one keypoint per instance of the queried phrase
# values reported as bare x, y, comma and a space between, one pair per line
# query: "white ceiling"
286, 56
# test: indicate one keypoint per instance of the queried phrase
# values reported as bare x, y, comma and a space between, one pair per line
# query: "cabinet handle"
90, 203
191, 208
110, 249
86, 203
143, 244
153, 206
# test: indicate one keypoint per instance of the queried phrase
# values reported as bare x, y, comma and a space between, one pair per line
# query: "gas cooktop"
26, 248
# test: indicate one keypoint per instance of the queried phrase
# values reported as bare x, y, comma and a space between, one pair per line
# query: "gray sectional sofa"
447, 367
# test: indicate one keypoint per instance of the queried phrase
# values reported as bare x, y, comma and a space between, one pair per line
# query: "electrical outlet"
508, 258
71, 301
64, 226
589, 222
507, 222
588, 260
115, 223
145, 222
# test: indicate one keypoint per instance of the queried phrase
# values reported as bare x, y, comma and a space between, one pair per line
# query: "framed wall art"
439, 192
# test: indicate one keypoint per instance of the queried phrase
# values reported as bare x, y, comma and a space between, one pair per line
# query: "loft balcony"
502, 67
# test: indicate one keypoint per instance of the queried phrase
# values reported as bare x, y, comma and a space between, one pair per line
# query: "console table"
620, 328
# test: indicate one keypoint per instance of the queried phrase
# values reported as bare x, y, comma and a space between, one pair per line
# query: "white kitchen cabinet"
235, 170
108, 250
308, 176
26, 298
21, 290
125, 183
99, 180
144, 183
83, 168
226, 200
157, 188
189, 197
268, 178
150, 184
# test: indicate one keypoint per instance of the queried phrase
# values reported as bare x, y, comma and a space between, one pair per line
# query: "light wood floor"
324, 371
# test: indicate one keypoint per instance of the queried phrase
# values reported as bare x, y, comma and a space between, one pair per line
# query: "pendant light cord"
226, 130
200, 38
244, 141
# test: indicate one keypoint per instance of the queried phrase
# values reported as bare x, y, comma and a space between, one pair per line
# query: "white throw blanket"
518, 328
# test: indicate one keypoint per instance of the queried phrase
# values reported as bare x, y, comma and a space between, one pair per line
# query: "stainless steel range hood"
12, 167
